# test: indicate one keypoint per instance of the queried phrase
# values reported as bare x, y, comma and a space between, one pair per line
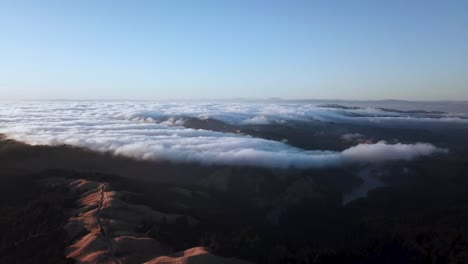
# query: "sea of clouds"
155, 131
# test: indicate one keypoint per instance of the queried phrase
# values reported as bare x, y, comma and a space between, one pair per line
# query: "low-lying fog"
156, 131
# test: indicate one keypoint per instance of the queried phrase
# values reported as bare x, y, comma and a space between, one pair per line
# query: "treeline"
31, 221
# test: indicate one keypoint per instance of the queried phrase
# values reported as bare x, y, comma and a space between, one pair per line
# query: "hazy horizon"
245, 99
448, 106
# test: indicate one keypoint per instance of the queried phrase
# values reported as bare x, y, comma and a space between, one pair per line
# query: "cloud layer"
154, 131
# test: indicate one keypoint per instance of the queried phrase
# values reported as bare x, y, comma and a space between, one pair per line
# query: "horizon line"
236, 99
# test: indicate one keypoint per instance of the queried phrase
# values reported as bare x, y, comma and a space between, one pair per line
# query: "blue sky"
416, 50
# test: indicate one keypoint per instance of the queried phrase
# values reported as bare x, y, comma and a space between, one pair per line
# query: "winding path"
102, 227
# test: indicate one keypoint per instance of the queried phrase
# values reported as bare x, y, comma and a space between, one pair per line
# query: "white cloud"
382, 151
154, 131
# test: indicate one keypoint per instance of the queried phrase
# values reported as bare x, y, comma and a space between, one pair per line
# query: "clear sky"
169, 49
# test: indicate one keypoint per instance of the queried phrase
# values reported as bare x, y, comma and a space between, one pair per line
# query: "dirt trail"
102, 227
